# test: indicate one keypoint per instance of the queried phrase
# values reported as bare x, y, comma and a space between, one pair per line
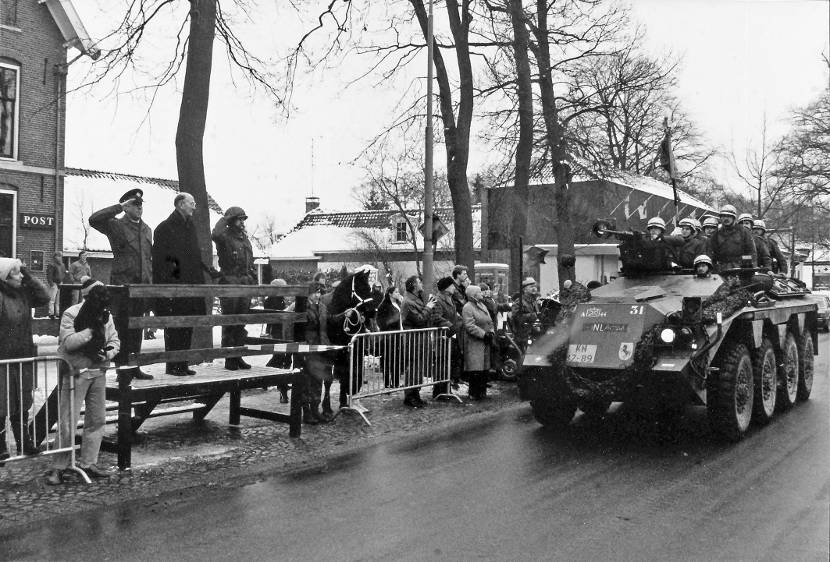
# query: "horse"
348, 307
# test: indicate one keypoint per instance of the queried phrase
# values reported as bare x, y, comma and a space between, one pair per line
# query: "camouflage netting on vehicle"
610, 385
728, 299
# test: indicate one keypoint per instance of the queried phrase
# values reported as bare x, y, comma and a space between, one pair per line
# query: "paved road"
618, 489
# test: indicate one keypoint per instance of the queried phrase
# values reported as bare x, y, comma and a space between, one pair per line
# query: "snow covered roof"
652, 186
326, 232
86, 191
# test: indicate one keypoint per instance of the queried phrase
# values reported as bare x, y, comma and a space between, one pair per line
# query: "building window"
8, 13
401, 231
9, 108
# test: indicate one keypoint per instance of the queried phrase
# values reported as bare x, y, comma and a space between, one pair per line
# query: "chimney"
311, 203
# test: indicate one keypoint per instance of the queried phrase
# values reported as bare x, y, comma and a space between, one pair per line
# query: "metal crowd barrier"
386, 362
31, 394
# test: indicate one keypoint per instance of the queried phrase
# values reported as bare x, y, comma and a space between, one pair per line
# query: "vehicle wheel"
766, 388
730, 406
788, 373
508, 370
595, 409
805, 366
552, 407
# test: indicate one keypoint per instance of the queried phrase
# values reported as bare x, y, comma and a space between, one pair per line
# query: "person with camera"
19, 293
478, 337
131, 240
88, 341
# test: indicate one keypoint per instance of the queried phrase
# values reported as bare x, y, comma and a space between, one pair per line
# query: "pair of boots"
22, 438
236, 363
313, 416
478, 384
412, 398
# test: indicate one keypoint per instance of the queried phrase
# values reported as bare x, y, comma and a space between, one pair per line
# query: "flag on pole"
667, 162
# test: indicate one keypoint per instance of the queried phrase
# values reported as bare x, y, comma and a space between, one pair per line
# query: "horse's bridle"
351, 321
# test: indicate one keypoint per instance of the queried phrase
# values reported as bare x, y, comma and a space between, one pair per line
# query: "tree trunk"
191, 129
555, 137
524, 146
456, 135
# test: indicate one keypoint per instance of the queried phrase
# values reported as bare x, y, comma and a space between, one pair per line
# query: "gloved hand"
488, 338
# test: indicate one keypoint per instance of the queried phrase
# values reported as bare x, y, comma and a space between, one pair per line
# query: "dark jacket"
780, 263
762, 248
444, 314
414, 312
459, 298
691, 248
55, 272
131, 245
177, 258
728, 246
524, 315
236, 257
16, 306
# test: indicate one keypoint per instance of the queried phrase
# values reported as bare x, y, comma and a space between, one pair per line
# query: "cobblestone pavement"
173, 454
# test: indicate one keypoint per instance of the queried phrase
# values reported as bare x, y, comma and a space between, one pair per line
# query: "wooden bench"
139, 400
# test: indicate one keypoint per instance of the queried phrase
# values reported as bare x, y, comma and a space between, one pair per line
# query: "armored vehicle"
739, 343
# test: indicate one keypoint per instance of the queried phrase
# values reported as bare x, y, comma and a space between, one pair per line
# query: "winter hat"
528, 281
444, 282
7, 265
87, 285
473, 293
484, 286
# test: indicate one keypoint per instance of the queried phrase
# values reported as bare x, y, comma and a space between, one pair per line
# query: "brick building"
34, 40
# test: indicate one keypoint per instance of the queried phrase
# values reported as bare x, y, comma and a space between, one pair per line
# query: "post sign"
31, 220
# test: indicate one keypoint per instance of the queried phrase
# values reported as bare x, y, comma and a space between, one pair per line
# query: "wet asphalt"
626, 487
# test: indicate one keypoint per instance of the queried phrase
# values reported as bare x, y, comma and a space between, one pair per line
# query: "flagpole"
428, 187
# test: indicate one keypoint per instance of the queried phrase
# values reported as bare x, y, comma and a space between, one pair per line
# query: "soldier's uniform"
236, 263
778, 263
732, 245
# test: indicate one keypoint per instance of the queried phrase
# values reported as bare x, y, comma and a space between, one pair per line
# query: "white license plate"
581, 353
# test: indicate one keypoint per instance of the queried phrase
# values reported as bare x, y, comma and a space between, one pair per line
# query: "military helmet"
759, 223
688, 221
729, 210
745, 217
656, 222
703, 258
234, 212
710, 221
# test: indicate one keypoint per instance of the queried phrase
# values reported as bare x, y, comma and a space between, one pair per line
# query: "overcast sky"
741, 60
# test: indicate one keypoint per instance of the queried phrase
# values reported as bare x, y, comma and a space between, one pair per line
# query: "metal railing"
30, 391
387, 362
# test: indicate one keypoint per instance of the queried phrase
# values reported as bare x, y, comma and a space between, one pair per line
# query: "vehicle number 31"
636, 310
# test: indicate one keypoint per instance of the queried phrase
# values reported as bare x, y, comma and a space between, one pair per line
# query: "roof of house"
86, 191
321, 232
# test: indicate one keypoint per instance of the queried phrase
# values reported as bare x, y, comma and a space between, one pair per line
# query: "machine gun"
638, 254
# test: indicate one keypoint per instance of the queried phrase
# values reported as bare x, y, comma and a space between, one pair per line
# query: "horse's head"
353, 298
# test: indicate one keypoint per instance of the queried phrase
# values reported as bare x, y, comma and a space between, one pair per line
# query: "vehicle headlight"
667, 335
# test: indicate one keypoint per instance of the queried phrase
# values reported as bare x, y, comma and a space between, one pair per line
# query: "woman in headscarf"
479, 333
19, 293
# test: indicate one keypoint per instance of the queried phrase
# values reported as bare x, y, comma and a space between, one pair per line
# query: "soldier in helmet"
236, 263
761, 248
692, 245
778, 261
710, 226
732, 246
656, 228
703, 265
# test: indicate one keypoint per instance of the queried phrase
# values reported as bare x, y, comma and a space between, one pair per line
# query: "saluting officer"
236, 263
131, 240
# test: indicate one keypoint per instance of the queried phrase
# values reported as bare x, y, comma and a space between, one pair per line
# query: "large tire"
764, 370
730, 405
788, 379
805, 366
551, 403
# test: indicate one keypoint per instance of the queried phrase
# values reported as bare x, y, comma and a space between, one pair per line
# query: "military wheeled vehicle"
740, 343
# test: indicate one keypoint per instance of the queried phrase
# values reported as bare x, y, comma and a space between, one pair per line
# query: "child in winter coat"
19, 293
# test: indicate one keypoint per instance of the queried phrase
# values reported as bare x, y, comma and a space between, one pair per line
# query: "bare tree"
83, 209
266, 233
757, 171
